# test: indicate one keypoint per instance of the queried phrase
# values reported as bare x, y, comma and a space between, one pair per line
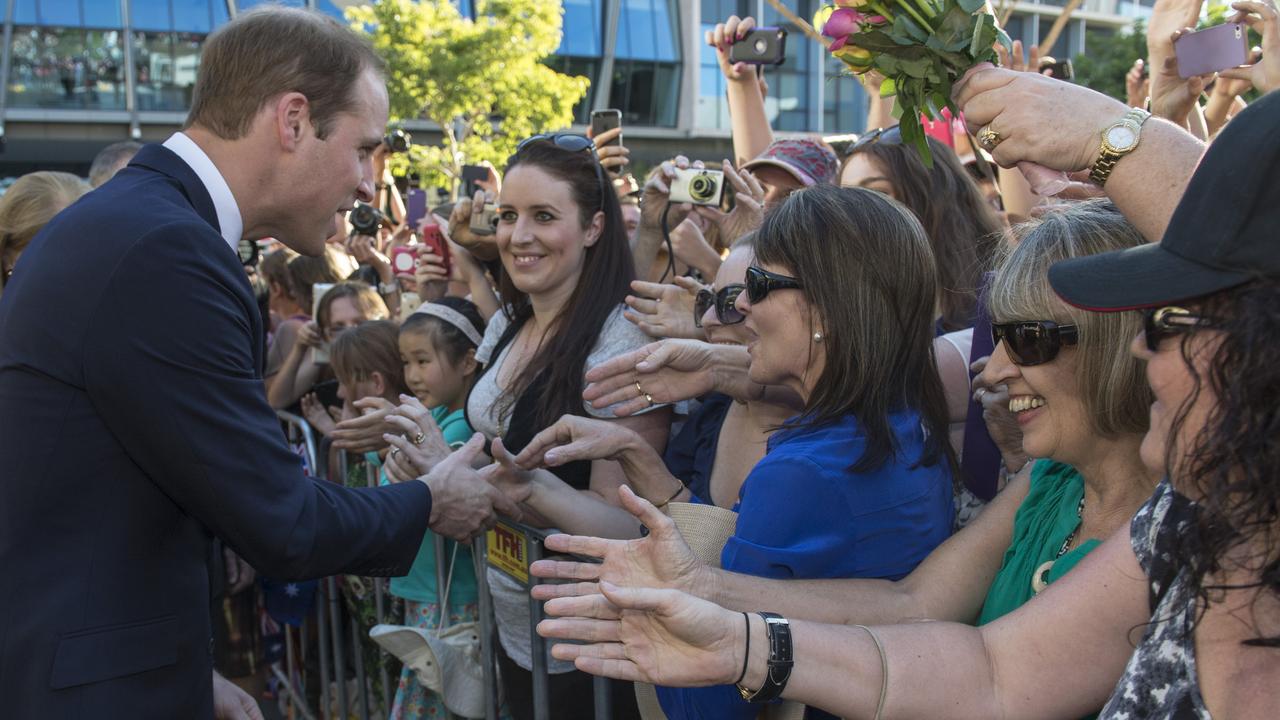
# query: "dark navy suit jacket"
133, 429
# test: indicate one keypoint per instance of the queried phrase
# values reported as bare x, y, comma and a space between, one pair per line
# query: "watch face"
1121, 137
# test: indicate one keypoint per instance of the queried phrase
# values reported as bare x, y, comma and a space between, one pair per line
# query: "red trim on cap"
1112, 309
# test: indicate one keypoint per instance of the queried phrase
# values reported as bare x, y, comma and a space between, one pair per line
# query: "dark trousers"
571, 696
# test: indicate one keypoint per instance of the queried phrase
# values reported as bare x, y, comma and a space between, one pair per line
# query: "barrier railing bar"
362, 680
537, 645
339, 659
298, 703
480, 554
322, 640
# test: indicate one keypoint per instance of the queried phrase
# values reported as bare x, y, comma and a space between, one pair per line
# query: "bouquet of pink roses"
921, 47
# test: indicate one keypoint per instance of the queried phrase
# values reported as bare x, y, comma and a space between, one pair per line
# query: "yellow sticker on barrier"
509, 551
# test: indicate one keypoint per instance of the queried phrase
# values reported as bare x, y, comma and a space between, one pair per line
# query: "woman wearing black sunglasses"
838, 309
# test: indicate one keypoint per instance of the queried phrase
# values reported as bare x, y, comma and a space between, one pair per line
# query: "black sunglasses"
573, 143
723, 300
889, 136
1034, 342
1161, 323
762, 282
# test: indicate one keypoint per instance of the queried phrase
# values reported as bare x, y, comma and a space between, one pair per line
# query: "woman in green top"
1082, 405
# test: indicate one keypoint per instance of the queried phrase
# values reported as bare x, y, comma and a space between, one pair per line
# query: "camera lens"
761, 45
702, 187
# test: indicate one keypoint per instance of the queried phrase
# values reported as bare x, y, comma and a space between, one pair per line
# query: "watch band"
780, 660
1108, 157
390, 288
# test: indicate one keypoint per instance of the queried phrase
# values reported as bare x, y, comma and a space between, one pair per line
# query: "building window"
67, 68
646, 70
166, 64
1016, 29
788, 102
1066, 42
580, 49
713, 110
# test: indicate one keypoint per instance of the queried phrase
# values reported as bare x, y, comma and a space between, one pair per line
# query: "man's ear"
292, 119
595, 229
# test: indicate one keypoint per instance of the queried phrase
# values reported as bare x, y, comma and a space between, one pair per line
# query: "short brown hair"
358, 353
1112, 383
272, 50
367, 301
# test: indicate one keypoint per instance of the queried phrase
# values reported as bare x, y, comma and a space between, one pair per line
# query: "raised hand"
506, 476
691, 247
748, 208
663, 637
668, 371
1261, 16
1172, 96
483, 247
657, 191
664, 310
463, 504
1137, 88
1016, 61
613, 158
662, 559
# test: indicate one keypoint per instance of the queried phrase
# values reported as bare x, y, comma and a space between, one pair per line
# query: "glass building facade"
127, 67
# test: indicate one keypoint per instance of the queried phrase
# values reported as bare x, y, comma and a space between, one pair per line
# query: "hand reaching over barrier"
418, 445
462, 503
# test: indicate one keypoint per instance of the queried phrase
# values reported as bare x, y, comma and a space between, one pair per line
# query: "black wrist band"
780, 660
746, 655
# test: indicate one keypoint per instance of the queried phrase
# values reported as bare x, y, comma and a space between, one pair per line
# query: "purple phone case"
415, 207
1211, 50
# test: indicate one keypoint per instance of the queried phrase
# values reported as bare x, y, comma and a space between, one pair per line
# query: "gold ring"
989, 138
639, 389
649, 399
420, 438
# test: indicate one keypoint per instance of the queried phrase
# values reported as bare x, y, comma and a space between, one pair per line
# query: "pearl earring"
817, 337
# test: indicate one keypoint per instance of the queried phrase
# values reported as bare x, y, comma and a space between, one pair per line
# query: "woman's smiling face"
540, 235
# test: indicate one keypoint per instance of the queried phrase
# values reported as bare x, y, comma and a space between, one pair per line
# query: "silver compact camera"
698, 186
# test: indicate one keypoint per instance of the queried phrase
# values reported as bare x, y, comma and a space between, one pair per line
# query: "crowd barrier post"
298, 430
512, 547
380, 588
322, 641
480, 555
339, 659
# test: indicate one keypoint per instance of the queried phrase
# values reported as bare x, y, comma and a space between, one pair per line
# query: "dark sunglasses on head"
573, 143
1034, 342
889, 136
723, 300
1161, 323
762, 282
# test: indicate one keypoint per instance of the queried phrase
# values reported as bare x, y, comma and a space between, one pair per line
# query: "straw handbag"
706, 528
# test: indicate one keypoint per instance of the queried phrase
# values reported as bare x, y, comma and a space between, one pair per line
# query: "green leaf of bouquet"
876, 41
955, 29
905, 27
888, 88
971, 6
1002, 37
983, 36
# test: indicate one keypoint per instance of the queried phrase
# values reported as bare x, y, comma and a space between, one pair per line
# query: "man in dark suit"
134, 422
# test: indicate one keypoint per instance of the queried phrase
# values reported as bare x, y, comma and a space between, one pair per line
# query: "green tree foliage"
482, 81
1107, 57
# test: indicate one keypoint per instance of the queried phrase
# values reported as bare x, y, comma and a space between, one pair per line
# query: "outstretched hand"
463, 504
668, 371
514, 482
664, 310
417, 443
573, 438
365, 433
663, 637
662, 559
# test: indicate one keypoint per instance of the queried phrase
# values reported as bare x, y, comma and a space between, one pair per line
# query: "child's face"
431, 377
351, 390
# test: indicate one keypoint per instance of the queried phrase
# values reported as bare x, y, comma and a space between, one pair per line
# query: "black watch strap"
780, 660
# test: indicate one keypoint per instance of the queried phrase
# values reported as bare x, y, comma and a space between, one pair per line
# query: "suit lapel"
163, 160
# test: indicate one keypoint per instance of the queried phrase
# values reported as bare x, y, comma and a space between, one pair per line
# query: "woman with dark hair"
1177, 614
568, 266
839, 307
962, 227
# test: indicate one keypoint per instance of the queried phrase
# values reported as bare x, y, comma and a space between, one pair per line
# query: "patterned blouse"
1160, 679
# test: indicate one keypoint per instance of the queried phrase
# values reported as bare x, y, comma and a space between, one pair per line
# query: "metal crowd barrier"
299, 434
511, 547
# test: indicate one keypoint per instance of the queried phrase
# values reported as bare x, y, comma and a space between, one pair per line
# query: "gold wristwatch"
1118, 140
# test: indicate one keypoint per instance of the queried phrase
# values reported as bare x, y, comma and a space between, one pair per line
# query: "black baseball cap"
1224, 232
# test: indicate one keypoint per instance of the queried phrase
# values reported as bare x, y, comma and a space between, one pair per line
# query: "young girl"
438, 348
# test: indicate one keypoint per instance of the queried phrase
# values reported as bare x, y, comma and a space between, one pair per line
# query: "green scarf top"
1046, 518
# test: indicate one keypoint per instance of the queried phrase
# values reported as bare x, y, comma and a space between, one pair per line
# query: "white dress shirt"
224, 203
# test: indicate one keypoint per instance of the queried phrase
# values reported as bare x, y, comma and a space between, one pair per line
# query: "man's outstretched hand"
463, 504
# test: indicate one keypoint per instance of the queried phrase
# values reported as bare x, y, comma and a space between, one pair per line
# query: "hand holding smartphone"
1214, 49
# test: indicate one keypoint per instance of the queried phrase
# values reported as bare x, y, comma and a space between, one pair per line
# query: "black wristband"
747, 654
780, 660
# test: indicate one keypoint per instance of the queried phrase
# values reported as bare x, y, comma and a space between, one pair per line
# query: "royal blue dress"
802, 513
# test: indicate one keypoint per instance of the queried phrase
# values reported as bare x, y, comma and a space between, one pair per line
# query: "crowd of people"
1026, 394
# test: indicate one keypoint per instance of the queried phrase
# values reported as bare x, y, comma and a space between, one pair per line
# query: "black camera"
762, 46
397, 141
365, 220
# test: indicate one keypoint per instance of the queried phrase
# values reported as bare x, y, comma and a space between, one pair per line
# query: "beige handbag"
706, 528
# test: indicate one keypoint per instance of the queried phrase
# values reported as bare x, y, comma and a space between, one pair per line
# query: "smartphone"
1217, 48
415, 207
604, 120
434, 242
404, 260
1062, 70
762, 46
472, 176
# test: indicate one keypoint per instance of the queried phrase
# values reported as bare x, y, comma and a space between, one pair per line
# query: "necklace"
1038, 581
